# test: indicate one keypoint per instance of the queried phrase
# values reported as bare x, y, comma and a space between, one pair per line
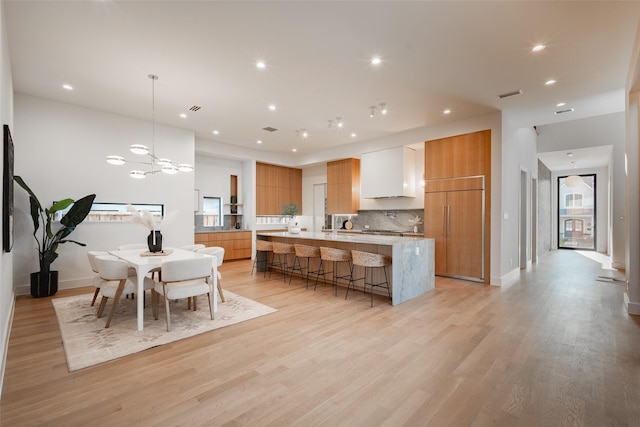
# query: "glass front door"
577, 212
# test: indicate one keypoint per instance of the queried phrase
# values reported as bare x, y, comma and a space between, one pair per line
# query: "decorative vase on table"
154, 240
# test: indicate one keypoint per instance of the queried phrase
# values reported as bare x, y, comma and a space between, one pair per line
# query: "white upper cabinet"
388, 173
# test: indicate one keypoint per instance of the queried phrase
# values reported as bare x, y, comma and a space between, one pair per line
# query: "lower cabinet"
236, 244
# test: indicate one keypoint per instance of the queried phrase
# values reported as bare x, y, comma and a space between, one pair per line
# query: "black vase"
157, 245
44, 284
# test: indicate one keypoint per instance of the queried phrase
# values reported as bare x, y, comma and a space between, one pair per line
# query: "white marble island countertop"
372, 239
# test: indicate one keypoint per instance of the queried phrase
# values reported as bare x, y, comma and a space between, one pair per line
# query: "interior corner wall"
7, 292
519, 148
545, 213
60, 152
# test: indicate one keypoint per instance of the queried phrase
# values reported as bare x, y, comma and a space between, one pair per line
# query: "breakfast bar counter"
412, 271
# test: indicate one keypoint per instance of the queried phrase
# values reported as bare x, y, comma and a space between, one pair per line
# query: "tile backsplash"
392, 220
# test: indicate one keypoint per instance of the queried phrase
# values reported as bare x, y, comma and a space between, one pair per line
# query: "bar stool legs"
370, 261
334, 256
263, 249
282, 251
308, 252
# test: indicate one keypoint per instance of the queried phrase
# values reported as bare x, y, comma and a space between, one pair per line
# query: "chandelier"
156, 164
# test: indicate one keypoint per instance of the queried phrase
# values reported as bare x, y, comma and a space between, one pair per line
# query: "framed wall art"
7, 191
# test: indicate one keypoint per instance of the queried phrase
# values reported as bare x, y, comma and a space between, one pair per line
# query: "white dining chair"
97, 281
193, 248
181, 279
218, 251
115, 281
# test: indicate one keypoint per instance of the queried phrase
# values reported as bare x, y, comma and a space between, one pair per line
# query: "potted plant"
45, 282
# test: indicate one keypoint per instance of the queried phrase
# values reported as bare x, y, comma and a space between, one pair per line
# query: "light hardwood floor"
555, 348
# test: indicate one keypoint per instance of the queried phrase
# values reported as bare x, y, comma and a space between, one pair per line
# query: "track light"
383, 109
373, 111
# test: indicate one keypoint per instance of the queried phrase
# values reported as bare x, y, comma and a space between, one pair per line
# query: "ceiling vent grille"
508, 94
570, 110
195, 108
270, 129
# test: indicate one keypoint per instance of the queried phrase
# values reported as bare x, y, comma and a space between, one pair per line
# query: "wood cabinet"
455, 220
456, 156
277, 186
457, 204
236, 244
343, 186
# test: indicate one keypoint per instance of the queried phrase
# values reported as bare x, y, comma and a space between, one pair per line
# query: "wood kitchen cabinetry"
277, 186
458, 156
455, 220
236, 244
343, 186
457, 204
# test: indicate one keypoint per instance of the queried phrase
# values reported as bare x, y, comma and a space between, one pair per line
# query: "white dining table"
144, 264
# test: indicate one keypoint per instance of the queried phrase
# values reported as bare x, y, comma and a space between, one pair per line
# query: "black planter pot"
43, 284
154, 246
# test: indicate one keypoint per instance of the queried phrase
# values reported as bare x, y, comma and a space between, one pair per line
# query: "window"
116, 212
211, 211
568, 225
573, 200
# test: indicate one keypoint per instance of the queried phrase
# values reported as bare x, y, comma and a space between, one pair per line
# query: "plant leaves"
59, 206
78, 211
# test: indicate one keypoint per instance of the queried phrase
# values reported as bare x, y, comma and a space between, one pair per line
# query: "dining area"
170, 274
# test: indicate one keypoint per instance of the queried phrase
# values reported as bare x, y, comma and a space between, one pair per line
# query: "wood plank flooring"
555, 348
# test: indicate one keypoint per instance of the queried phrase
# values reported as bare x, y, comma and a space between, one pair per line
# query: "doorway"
577, 212
319, 205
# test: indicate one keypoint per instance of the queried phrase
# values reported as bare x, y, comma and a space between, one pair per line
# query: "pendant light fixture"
156, 164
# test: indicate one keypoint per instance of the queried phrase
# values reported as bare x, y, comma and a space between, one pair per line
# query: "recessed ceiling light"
216, 132
272, 107
353, 135
261, 65
67, 87
294, 149
538, 48
561, 104
570, 154
183, 115
550, 82
376, 60
447, 111
259, 141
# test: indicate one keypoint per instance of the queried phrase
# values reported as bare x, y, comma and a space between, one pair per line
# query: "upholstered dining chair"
193, 248
97, 281
218, 251
181, 279
115, 281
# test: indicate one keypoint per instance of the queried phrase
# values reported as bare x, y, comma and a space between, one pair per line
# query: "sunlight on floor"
603, 259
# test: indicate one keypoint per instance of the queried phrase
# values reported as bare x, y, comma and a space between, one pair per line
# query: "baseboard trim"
7, 333
62, 284
632, 307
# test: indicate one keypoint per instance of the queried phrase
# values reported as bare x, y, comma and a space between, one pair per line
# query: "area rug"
87, 342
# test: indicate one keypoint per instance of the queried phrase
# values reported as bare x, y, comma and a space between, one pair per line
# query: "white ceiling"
436, 55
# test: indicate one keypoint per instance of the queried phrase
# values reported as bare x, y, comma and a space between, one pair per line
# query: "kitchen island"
412, 259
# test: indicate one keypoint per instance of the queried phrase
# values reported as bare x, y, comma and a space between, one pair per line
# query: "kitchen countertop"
219, 231
349, 237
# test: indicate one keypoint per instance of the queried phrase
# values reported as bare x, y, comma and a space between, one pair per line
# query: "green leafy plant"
46, 239
291, 209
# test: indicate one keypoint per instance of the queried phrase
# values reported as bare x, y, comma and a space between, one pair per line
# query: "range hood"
388, 173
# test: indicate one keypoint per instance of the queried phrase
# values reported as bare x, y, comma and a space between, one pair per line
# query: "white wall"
60, 151
213, 179
7, 293
518, 154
